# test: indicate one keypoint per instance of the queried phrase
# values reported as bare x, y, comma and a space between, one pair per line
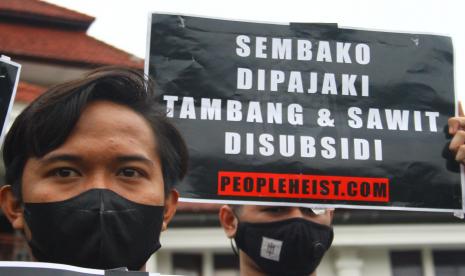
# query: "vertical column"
427, 261
348, 263
151, 265
207, 264
164, 262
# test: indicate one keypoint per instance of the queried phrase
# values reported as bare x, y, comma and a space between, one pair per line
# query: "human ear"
228, 220
171, 201
12, 207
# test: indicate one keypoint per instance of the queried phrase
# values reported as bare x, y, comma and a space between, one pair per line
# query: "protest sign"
9, 77
308, 113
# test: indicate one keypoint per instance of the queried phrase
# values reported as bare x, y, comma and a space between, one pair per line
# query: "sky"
123, 23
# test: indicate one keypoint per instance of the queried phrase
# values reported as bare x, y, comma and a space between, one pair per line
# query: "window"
449, 262
226, 265
187, 264
407, 263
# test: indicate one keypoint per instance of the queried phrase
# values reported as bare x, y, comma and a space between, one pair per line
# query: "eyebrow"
61, 157
76, 158
135, 157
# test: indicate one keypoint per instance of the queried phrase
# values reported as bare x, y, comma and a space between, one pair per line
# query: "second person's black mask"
291, 247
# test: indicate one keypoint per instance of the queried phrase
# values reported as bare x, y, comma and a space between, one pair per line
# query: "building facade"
366, 243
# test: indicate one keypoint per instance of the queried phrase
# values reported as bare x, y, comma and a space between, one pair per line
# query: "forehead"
105, 126
104, 118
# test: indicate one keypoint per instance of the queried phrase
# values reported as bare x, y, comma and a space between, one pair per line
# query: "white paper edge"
147, 49
316, 205
60, 267
457, 212
6, 59
52, 266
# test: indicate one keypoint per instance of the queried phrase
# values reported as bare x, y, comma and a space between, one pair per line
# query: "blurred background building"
51, 44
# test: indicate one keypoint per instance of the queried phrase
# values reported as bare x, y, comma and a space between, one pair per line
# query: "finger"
461, 114
460, 156
457, 141
456, 123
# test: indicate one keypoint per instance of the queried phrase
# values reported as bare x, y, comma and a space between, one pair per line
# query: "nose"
296, 212
98, 179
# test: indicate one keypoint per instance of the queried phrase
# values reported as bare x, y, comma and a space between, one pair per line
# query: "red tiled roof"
60, 45
27, 92
43, 9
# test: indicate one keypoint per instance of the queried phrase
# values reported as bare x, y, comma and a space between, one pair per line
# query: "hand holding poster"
9, 77
308, 113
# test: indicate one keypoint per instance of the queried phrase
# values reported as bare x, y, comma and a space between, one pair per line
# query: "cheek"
32, 188
26, 182
323, 219
155, 194
149, 192
36, 187
155, 191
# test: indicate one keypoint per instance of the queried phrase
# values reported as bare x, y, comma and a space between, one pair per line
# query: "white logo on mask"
271, 249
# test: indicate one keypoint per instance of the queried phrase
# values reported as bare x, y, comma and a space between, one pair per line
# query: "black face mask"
96, 229
287, 247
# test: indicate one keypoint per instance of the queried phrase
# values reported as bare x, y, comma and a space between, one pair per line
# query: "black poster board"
309, 114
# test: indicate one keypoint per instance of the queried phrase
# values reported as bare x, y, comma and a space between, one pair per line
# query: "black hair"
48, 121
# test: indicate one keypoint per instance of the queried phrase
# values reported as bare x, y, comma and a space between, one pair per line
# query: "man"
278, 240
90, 166
275, 240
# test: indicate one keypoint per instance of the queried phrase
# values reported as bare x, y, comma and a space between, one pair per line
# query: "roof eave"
31, 18
79, 64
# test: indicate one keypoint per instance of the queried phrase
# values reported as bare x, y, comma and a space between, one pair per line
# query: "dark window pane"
187, 264
449, 262
406, 263
226, 265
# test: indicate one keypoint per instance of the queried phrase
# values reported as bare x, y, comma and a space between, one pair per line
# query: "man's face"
111, 147
261, 241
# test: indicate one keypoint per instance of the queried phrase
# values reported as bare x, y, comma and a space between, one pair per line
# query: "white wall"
361, 250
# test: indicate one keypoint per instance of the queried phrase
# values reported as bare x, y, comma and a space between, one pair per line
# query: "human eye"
130, 173
64, 172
